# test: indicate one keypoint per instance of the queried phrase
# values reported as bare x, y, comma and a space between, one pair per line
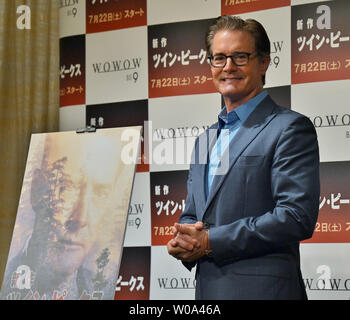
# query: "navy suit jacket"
259, 211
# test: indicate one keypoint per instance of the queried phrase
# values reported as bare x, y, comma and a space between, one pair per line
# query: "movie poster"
178, 65
69, 231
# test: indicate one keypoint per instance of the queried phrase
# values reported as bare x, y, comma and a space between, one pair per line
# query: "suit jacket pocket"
274, 265
249, 161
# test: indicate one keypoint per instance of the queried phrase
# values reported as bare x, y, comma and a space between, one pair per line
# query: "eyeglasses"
238, 58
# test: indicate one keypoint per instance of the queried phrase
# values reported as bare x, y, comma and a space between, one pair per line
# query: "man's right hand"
186, 245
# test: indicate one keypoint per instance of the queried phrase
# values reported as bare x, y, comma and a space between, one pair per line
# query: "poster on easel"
68, 237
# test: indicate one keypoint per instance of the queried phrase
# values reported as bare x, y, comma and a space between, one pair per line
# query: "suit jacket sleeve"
189, 214
295, 190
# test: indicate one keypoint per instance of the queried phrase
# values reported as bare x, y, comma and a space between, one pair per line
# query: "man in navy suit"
253, 186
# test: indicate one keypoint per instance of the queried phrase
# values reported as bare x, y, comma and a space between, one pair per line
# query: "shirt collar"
242, 112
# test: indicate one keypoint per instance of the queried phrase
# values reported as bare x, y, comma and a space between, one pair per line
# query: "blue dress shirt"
228, 126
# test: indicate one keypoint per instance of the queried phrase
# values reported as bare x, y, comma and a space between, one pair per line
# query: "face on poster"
320, 41
116, 65
71, 218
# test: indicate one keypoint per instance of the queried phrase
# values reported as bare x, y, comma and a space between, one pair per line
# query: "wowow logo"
176, 283
24, 20
326, 281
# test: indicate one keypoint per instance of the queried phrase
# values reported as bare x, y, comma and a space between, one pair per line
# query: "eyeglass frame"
232, 56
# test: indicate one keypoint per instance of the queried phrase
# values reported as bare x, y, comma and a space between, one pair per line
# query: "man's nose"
79, 215
230, 65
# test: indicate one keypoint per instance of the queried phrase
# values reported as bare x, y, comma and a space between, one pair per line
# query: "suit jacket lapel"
203, 150
256, 122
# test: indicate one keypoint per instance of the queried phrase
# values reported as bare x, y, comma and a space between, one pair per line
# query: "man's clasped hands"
191, 241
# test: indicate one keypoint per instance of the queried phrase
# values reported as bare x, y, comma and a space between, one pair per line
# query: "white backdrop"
132, 61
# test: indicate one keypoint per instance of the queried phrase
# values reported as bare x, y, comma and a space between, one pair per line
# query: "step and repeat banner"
144, 62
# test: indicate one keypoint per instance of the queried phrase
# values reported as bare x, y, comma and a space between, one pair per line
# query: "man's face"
237, 84
80, 180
